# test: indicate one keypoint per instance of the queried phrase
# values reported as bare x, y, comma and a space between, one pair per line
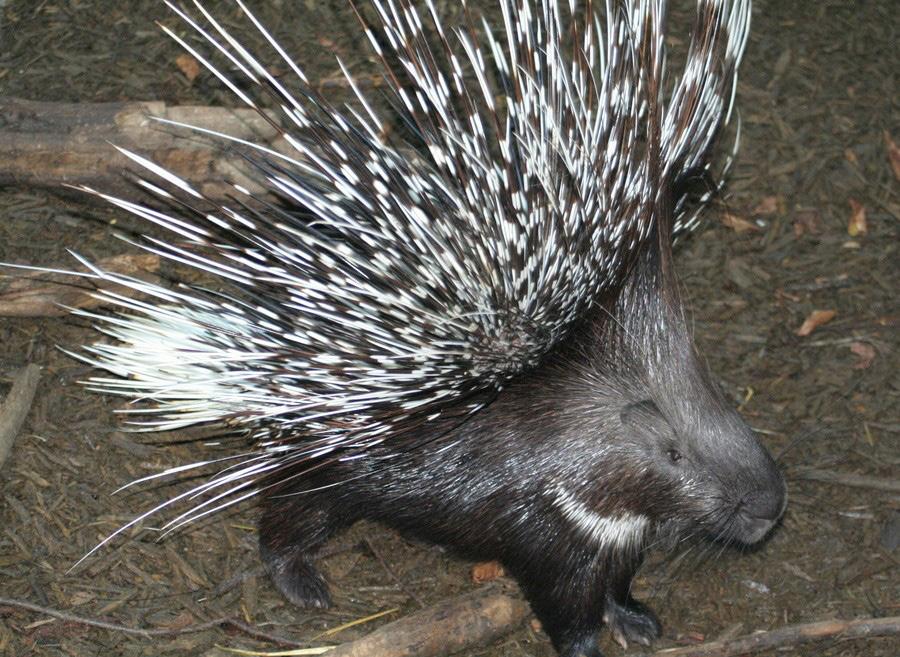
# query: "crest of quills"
481, 345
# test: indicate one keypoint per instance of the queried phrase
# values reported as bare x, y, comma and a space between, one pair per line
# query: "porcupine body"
483, 345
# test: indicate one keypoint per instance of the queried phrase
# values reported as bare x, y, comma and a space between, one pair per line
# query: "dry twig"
15, 407
791, 635
149, 632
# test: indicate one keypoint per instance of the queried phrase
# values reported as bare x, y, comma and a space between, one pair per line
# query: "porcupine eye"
674, 455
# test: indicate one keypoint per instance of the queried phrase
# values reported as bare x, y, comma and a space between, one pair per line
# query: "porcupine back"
380, 292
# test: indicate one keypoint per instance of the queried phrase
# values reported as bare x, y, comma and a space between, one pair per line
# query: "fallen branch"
792, 635
848, 479
46, 294
50, 145
15, 407
453, 625
458, 624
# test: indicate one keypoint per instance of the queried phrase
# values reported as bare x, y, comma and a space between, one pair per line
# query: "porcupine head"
526, 255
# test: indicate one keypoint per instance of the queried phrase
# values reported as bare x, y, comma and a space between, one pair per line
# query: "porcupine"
482, 345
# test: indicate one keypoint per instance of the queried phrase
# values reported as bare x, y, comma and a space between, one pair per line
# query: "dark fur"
603, 419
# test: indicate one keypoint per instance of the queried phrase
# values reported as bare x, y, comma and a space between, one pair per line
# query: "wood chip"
487, 571
815, 319
857, 224
893, 154
866, 353
737, 224
189, 66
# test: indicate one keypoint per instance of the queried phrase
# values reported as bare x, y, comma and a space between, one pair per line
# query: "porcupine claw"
633, 621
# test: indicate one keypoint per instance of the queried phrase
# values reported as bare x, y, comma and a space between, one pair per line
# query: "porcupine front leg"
568, 595
628, 619
292, 528
579, 593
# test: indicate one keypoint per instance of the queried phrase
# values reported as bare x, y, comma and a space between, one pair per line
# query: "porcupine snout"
762, 503
737, 490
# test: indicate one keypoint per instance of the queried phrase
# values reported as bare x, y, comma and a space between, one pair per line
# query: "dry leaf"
80, 598
857, 224
806, 222
893, 154
487, 571
815, 319
767, 206
850, 156
866, 353
189, 66
737, 224
179, 622
781, 294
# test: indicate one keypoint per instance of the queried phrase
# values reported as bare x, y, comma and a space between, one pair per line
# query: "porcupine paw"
298, 580
633, 621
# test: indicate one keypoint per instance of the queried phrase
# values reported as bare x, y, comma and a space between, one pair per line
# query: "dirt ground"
819, 105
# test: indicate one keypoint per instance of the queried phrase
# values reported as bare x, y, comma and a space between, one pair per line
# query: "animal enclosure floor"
818, 105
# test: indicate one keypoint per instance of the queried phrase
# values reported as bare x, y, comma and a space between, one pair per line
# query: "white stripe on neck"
620, 531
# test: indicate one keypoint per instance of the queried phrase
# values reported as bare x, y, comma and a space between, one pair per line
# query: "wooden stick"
849, 479
791, 635
15, 407
50, 145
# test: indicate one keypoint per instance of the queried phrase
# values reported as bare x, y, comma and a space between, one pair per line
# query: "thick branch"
53, 294
50, 145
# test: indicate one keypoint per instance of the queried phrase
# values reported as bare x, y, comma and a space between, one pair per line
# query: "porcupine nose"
760, 509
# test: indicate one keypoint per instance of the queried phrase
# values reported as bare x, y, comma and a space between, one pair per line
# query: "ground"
819, 106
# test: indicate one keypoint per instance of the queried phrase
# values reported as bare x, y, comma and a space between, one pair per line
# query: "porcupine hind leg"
292, 528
